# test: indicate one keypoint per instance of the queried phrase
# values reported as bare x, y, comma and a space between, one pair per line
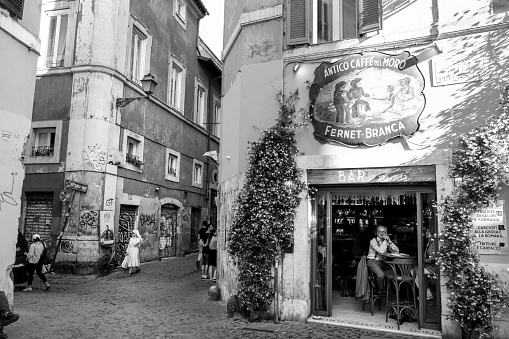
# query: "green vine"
262, 225
480, 168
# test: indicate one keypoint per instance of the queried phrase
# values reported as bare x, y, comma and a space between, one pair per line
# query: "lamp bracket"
121, 102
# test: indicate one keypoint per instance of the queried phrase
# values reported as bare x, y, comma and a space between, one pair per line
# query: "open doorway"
345, 219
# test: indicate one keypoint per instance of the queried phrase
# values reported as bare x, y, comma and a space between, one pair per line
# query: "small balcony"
133, 160
43, 151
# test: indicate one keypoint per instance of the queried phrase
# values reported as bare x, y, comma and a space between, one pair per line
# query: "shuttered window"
318, 21
371, 16
298, 22
14, 6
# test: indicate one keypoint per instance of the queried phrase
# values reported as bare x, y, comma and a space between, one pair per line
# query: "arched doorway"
168, 230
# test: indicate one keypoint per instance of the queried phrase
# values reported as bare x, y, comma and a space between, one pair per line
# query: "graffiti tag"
67, 246
95, 158
109, 202
6, 197
147, 220
88, 220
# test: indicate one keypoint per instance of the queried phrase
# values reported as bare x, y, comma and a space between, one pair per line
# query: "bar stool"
401, 274
372, 298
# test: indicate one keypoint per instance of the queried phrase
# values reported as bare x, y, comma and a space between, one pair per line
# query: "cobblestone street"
166, 299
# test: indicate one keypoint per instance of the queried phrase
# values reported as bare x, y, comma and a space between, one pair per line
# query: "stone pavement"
167, 299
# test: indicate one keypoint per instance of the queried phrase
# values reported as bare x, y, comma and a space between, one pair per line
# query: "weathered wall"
17, 76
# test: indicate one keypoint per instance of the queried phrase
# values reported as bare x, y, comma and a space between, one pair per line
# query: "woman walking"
213, 255
34, 258
133, 252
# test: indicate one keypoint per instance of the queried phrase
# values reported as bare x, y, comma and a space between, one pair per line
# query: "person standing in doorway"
213, 255
34, 258
378, 246
201, 231
133, 252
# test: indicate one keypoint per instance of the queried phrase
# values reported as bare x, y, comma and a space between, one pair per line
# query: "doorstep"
423, 332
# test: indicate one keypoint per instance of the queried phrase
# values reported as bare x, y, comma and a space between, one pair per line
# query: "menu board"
490, 230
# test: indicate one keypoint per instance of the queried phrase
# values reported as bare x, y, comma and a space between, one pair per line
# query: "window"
180, 12
44, 142
133, 148
138, 48
200, 111
216, 118
197, 173
137, 55
176, 88
332, 20
172, 165
15, 7
57, 35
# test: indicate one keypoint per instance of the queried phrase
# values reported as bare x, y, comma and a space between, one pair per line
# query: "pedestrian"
213, 255
133, 252
205, 254
35, 262
7, 317
201, 231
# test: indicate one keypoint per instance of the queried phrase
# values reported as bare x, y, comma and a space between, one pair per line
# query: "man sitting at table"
378, 246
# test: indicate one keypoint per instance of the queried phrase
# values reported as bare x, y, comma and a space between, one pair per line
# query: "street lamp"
149, 85
426, 54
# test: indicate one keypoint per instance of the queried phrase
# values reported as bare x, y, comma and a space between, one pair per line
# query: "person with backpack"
35, 260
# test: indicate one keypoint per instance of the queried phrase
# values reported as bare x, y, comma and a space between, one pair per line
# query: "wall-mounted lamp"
426, 54
156, 189
227, 157
296, 67
213, 154
149, 85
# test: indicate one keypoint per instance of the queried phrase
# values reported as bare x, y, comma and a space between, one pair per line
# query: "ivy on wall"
262, 224
480, 168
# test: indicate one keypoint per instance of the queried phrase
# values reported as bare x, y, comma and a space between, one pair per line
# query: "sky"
211, 26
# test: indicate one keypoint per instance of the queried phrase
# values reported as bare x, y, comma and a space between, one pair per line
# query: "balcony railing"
133, 160
43, 151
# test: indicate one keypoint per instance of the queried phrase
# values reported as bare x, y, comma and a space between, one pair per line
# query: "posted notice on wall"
490, 229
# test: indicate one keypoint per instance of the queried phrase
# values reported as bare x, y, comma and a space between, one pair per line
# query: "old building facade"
19, 31
105, 153
387, 86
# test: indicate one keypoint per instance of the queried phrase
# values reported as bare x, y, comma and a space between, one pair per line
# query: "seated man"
378, 246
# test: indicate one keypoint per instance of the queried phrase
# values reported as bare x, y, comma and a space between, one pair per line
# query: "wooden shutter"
14, 6
298, 14
371, 16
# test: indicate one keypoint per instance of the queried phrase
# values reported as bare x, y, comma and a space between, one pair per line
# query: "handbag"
124, 262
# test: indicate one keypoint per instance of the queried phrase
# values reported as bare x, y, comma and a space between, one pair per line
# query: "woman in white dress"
133, 251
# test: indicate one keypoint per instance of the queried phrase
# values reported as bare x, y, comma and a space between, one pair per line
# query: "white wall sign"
490, 230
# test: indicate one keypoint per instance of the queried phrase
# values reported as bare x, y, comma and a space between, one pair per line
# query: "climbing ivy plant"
480, 169
263, 219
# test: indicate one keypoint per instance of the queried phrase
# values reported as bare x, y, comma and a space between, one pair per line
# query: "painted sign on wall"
365, 99
490, 230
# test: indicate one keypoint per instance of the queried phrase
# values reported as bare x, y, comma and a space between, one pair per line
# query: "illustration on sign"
489, 230
365, 99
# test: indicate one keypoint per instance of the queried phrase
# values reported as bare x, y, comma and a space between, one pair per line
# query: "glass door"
428, 278
321, 278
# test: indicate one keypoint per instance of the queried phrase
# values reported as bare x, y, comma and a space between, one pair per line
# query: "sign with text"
371, 175
490, 230
365, 99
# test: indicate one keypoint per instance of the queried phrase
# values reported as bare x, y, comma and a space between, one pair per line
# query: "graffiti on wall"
147, 220
229, 191
89, 220
95, 157
6, 196
68, 246
125, 226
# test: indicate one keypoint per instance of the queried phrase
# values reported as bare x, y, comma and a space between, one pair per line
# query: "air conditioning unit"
116, 158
